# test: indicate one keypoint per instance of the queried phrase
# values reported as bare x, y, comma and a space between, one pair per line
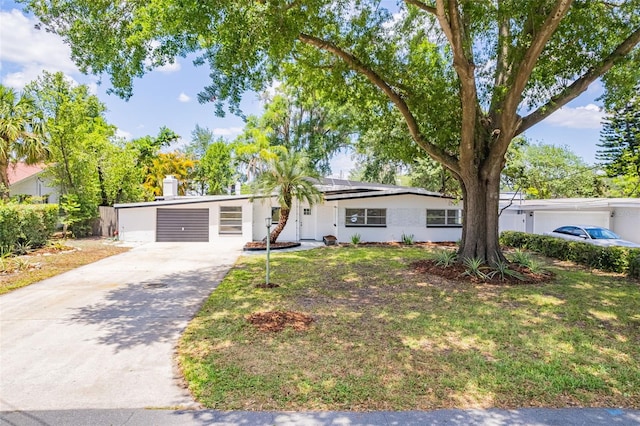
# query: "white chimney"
170, 187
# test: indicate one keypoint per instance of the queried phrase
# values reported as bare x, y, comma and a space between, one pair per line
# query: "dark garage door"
189, 225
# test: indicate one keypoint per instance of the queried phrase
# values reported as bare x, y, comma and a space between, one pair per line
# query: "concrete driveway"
104, 335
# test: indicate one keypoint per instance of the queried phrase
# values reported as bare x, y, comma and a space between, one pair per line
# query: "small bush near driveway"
613, 259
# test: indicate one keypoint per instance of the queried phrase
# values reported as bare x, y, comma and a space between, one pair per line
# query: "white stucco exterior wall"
214, 221
406, 214
510, 220
262, 209
626, 223
326, 219
36, 186
139, 223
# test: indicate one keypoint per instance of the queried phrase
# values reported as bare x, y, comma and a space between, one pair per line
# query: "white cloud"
124, 134
93, 88
585, 117
31, 49
30, 72
227, 131
183, 97
169, 68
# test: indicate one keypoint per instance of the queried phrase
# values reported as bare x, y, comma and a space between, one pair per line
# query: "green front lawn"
387, 338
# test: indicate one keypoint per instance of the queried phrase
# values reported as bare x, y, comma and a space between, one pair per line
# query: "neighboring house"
378, 213
29, 180
621, 215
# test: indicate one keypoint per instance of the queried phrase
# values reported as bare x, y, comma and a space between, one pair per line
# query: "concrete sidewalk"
529, 416
103, 336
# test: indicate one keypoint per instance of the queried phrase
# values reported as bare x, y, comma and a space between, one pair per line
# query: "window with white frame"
230, 220
366, 217
444, 217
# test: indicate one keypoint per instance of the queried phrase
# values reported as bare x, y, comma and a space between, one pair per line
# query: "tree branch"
526, 65
502, 65
581, 84
509, 120
449, 161
452, 26
421, 5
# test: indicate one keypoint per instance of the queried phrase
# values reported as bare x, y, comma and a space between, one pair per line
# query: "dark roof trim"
181, 201
377, 194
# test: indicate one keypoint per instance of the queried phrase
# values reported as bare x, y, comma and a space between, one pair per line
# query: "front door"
307, 223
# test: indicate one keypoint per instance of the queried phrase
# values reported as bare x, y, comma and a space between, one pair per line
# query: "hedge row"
26, 225
613, 259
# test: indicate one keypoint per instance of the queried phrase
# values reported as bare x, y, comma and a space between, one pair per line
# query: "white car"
591, 234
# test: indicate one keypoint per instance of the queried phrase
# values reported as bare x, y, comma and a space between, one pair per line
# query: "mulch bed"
456, 272
51, 249
265, 285
279, 320
262, 245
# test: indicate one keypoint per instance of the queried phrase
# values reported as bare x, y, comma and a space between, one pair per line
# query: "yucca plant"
521, 258
473, 268
502, 270
355, 239
407, 239
445, 258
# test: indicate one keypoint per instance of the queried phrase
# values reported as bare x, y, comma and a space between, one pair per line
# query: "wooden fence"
107, 224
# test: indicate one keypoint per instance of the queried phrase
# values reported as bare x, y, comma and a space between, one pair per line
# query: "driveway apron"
104, 335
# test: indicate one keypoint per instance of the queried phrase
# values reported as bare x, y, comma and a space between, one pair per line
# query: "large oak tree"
464, 77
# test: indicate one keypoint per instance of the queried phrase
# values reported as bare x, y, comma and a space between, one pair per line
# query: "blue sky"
167, 96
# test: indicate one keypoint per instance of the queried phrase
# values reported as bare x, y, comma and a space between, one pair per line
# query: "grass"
387, 338
21, 271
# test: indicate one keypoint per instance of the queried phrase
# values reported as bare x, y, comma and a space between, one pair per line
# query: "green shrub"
633, 269
613, 259
9, 227
355, 239
25, 226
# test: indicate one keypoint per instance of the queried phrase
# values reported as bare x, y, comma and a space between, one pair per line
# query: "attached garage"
540, 216
182, 225
547, 221
209, 219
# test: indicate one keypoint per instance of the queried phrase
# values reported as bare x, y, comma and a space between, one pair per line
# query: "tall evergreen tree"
620, 147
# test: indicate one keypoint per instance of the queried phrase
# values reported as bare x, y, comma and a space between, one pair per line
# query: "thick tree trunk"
480, 218
104, 200
4, 180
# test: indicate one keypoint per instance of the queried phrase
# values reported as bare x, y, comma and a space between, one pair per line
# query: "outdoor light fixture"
267, 222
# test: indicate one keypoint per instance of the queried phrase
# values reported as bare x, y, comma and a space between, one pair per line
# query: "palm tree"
22, 134
289, 176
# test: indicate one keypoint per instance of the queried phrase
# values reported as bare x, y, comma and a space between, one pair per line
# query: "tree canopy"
463, 77
22, 133
547, 171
